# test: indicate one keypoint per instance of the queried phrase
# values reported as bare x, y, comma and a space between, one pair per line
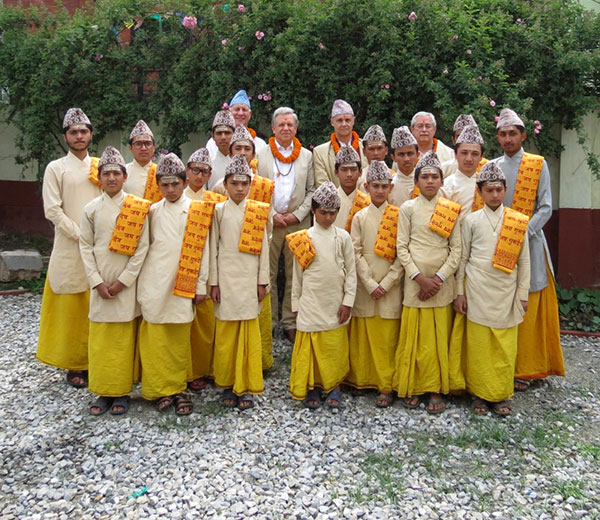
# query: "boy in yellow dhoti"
69, 184
492, 285
528, 191
429, 249
168, 287
113, 244
198, 170
323, 292
352, 200
405, 153
375, 322
239, 276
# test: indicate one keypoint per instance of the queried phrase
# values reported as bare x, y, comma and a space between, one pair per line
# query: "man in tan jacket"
290, 165
342, 121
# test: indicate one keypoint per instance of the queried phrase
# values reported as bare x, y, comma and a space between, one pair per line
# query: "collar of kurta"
517, 157
118, 198
72, 156
146, 167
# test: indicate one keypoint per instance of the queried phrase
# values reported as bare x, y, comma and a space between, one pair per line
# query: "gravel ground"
280, 460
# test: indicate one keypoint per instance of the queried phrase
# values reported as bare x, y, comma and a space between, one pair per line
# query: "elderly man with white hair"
423, 126
290, 165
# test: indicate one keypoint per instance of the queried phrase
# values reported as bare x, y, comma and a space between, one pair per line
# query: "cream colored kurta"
449, 168
194, 195
444, 153
324, 161
65, 192
219, 163
156, 282
493, 296
423, 251
346, 206
460, 188
137, 178
328, 282
372, 270
103, 265
402, 188
237, 274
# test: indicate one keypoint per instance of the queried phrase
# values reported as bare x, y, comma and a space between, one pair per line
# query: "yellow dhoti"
112, 348
423, 361
238, 356
488, 358
266, 332
319, 360
165, 356
64, 329
202, 341
373, 343
539, 353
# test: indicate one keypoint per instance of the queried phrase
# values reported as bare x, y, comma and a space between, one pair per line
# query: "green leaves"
579, 309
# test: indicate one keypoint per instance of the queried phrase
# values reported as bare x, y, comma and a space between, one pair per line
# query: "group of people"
422, 280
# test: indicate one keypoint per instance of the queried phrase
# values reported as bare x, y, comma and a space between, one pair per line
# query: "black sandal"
183, 404
72, 374
228, 395
122, 402
102, 403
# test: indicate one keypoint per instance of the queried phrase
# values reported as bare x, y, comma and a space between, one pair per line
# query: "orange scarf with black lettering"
444, 217
385, 243
361, 200
510, 240
152, 193
256, 217
93, 174
528, 180
301, 247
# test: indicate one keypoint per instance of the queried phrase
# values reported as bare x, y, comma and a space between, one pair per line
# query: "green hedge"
540, 58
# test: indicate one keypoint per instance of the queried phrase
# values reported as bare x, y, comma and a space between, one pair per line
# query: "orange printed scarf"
130, 223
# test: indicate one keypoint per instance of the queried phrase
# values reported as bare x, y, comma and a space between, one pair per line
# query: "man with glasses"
141, 171
423, 127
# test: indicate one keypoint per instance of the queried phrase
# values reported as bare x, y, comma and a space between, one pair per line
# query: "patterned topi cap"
201, 156
509, 117
341, 107
374, 134
75, 116
240, 98
491, 173
462, 121
140, 128
111, 160
238, 168
347, 155
223, 118
169, 164
471, 135
378, 171
327, 197
402, 137
429, 161
241, 133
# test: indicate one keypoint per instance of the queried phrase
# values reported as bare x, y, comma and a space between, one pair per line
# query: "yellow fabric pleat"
238, 356
319, 360
488, 358
422, 357
539, 353
64, 329
165, 355
137, 362
112, 355
202, 339
266, 332
373, 343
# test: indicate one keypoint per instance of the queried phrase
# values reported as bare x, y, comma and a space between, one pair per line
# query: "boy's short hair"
88, 125
418, 171
122, 168
357, 163
415, 145
520, 128
241, 140
481, 183
457, 145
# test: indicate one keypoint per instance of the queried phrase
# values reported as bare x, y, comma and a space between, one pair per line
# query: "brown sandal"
384, 400
480, 407
183, 404
163, 403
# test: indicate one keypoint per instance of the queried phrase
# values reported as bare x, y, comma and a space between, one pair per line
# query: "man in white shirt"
222, 131
290, 165
424, 127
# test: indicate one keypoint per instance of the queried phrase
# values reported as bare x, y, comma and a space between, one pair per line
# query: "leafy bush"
125, 59
579, 309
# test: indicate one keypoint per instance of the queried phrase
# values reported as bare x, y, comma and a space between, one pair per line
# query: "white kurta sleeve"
454, 246
363, 270
393, 275
524, 271
264, 273
86, 247
204, 269
466, 237
403, 239
53, 203
296, 285
350, 265
213, 274
129, 275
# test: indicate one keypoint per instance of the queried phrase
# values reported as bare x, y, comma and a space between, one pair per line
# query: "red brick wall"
71, 5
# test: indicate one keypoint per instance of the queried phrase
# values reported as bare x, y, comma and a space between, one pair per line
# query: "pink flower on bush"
321, 46
189, 22
385, 86
412, 16
445, 71
492, 103
241, 8
479, 78
536, 122
537, 130
225, 106
455, 37
224, 42
99, 57
496, 119
519, 20
259, 35
469, 51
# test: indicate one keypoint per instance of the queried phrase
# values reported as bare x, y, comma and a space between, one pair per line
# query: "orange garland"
252, 133
336, 146
277, 154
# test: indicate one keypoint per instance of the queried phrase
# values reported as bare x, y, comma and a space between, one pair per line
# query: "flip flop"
183, 404
313, 396
103, 403
163, 403
384, 400
498, 409
434, 402
336, 397
522, 385
72, 374
228, 395
246, 398
407, 402
480, 407
197, 385
123, 402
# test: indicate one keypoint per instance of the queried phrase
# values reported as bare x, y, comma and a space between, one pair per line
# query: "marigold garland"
277, 154
252, 133
336, 146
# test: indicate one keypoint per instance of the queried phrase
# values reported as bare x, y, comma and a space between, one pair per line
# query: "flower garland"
252, 133
277, 154
336, 145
